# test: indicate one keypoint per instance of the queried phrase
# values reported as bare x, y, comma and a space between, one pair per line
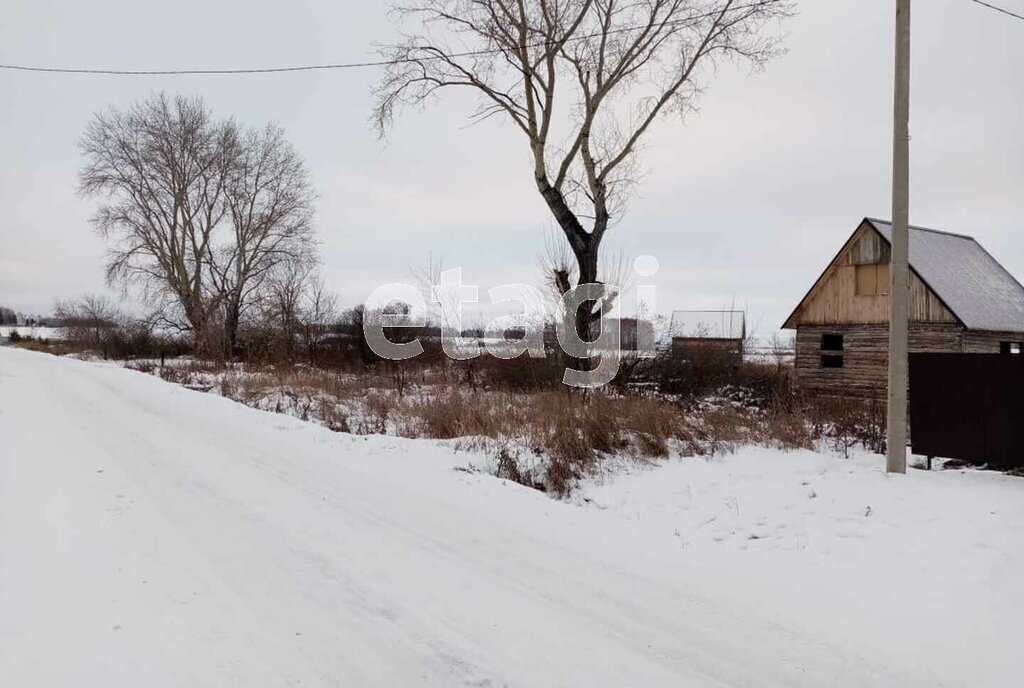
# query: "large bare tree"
198, 211
270, 202
581, 80
161, 168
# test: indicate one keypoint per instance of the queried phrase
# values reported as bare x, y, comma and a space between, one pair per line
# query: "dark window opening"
1011, 347
833, 361
831, 342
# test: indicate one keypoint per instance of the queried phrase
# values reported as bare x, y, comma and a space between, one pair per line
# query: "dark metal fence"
968, 407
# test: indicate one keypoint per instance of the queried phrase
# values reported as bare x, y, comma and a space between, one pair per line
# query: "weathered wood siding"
865, 356
834, 301
984, 342
868, 248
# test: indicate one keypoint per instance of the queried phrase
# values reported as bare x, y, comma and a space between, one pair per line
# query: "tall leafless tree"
270, 202
199, 211
582, 81
161, 168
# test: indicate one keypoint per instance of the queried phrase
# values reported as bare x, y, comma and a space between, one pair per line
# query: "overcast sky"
743, 203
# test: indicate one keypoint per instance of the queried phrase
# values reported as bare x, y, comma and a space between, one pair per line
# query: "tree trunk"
585, 247
588, 313
196, 318
231, 318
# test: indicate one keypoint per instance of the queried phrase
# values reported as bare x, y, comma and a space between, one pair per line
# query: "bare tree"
282, 302
161, 169
199, 212
443, 307
89, 320
319, 313
581, 80
270, 204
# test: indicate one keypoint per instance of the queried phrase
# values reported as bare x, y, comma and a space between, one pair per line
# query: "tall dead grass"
543, 437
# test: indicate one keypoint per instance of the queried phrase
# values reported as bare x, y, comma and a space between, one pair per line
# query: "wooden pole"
896, 459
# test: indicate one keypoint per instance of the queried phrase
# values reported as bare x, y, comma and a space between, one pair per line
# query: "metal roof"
709, 324
973, 285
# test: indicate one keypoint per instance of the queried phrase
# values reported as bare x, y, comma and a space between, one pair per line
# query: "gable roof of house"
972, 284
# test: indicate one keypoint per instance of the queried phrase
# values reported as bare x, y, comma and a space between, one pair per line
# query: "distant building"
697, 334
961, 300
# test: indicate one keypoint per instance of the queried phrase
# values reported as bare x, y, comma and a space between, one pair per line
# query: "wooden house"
961, 300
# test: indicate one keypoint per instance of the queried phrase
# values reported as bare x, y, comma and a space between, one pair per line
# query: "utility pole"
896, 440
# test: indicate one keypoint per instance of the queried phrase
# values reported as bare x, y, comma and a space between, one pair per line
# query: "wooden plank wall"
835, 300
869, 248
984, 342
865, 356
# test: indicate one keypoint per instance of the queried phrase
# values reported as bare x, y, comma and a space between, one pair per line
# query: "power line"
175, 72
358, 65
379, 63
998, 9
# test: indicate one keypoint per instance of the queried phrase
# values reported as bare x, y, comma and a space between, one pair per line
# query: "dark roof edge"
873, 220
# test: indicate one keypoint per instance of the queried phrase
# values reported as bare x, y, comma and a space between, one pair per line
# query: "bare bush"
845, 423
90, 321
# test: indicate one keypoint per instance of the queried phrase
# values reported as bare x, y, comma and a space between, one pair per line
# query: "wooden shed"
961, 300
703, 334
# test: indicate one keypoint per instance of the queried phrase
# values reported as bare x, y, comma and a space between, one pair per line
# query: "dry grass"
542, 437
573, 431
46, 346
535, 430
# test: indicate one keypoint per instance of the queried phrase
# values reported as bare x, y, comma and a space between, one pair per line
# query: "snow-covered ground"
152, 535
929, 565
27, 331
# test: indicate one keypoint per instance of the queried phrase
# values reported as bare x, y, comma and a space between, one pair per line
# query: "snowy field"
25, 331
152, 535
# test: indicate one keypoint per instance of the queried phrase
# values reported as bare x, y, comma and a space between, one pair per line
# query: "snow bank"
152, 535
930, 564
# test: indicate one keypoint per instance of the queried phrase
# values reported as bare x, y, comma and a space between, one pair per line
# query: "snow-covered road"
150, 535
